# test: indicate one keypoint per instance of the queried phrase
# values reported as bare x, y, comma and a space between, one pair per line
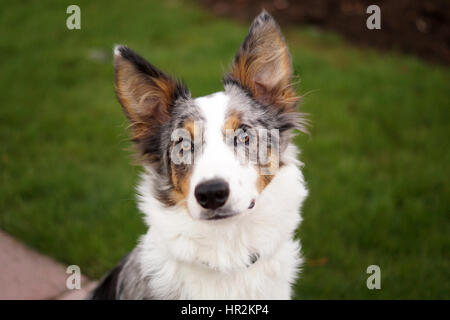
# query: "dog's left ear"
147, 96
263, 65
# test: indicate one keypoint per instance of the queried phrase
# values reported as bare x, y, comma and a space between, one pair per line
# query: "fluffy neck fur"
191, 259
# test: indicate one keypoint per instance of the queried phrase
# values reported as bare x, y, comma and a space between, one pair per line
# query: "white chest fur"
268, 278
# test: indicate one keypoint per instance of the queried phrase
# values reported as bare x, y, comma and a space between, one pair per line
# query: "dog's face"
214, 154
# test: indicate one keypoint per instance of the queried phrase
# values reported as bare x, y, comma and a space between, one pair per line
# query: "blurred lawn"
377, 161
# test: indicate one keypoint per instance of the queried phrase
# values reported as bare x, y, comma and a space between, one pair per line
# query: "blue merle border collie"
219, 227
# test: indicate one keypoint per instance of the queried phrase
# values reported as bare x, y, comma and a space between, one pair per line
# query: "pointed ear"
263, 64
145, 93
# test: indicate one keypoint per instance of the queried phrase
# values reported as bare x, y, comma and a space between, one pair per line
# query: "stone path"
26, 274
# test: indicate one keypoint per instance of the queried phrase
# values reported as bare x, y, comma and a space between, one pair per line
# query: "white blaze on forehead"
213, 108
215, 152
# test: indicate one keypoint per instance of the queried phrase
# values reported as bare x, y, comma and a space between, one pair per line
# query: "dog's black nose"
212, 194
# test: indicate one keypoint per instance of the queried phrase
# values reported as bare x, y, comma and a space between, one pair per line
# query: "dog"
219, 227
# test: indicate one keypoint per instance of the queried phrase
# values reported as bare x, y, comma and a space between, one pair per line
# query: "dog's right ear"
146, 95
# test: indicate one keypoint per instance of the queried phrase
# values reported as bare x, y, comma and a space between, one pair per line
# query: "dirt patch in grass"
415, 27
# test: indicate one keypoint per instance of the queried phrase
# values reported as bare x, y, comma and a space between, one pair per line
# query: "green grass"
377, 160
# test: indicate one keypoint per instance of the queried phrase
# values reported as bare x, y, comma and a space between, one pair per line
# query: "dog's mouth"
222, 213
218, 214
220, 217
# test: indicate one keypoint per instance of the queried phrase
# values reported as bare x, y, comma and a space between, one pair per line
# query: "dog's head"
215, 154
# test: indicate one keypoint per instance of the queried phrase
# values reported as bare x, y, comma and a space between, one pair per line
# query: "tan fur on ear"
263, 64
144, 100
146, 93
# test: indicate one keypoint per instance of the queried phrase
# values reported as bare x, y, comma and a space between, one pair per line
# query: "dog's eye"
243, 137
186, 145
